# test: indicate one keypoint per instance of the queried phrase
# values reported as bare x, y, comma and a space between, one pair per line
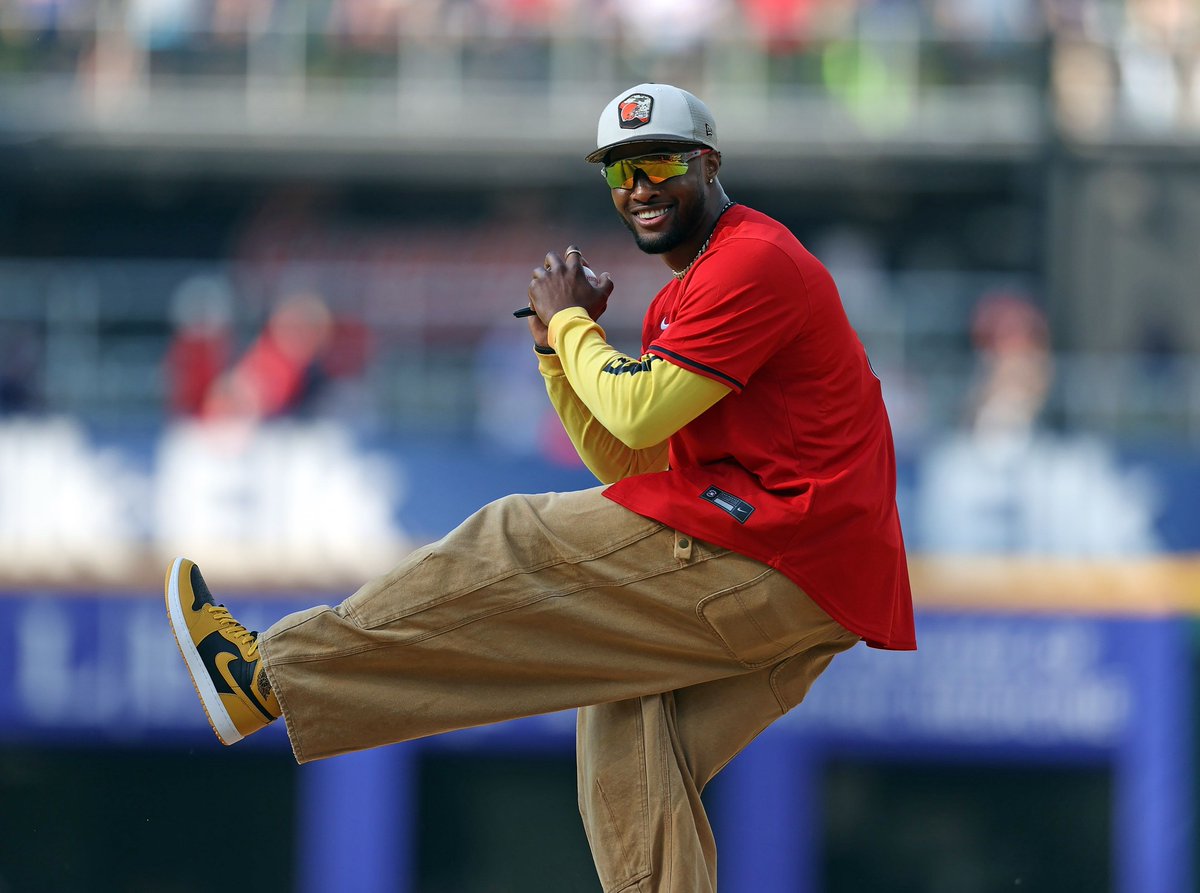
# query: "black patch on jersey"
628, 366
727, 502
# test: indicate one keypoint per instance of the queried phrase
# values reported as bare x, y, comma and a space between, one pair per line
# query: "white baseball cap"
657, 113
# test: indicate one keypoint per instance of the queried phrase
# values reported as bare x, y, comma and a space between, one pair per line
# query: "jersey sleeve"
640, 402
740, 304
606, 457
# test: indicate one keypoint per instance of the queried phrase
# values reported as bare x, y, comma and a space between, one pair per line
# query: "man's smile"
652, 217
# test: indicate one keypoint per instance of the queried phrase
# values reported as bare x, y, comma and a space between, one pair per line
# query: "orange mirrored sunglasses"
657, 168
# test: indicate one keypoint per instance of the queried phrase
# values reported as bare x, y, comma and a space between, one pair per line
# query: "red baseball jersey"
796, 467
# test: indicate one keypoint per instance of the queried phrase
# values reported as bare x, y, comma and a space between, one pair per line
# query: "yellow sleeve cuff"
549, 364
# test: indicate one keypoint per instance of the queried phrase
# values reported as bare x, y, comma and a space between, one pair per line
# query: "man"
748, 533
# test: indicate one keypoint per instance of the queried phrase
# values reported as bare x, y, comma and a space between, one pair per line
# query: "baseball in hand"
592, 278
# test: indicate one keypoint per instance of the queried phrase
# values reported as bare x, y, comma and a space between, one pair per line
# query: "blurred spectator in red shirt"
279, 370
1012, 339
783, 23
201, 349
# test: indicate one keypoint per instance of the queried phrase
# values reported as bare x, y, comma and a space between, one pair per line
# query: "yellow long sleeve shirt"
619, 412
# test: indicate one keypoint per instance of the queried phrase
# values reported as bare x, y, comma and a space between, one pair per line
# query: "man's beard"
655, 243
661, 243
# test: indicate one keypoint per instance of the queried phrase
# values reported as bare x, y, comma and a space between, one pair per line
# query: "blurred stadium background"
257, 259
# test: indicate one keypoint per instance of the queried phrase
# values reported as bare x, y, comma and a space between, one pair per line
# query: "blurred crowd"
318, 316
1129, 63
271, 375
368, 21
377, 22
300, 349
316, 313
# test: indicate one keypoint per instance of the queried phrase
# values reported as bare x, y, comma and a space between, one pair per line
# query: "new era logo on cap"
634, 111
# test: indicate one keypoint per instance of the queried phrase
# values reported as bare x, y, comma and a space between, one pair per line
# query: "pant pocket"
763, 619
792, 678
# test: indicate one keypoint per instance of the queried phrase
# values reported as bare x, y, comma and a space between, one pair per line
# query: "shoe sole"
218, 716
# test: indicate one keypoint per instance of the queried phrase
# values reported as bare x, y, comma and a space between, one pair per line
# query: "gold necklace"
679, 274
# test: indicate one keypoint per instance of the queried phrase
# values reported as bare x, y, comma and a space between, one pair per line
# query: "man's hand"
560, 283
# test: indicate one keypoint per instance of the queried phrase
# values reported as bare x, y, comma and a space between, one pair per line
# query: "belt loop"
683, 546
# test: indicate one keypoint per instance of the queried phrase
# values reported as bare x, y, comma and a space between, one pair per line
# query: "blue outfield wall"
985, 687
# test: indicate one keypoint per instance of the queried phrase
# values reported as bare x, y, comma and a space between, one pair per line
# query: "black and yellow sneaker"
221, 656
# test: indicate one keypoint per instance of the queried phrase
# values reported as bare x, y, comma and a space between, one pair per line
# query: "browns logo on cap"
679, 119
634, 110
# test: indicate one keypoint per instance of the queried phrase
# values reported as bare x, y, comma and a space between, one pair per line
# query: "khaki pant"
679, 654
